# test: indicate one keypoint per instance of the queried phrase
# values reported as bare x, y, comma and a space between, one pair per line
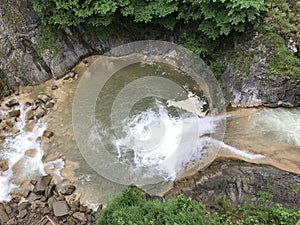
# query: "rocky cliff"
20, 62
258, 88
240, 182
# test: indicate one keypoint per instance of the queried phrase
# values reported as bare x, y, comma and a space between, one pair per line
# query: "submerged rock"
4, 165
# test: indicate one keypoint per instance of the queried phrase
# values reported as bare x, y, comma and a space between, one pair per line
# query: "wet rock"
40, 112
30, 125
48, 134
80, 216
70, 75
68, 190
41, 184
36, 103
54, 87
11, 103
4, 165
29, 115
49, 104
14, 113
30, 152
60, 208
44, 98
10, 122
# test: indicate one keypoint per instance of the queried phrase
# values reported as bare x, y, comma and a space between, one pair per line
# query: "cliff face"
257, 88
20, 62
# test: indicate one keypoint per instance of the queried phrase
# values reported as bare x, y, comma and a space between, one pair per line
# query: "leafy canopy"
213, 18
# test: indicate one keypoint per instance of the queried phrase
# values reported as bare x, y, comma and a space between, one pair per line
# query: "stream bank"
239, 182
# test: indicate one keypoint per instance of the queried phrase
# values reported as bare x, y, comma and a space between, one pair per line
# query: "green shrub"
132, 207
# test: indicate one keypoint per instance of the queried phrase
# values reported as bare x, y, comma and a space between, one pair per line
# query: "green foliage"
282, 61
213, 17
265, 196
196, 22
48, 38
280, 24
220, 17
132, 207
254, 214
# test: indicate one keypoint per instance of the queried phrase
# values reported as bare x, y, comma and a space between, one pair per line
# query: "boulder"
54, 87
26, 193
39, 112
49, 104
36, 103
30, 152
14, 113
41, 184
60, 208
44, 98
33, 197
29, 115
24, 206
10, 122
68, 190
80, 216
4, 165
48, 134
22, 213
11, 103
70, 75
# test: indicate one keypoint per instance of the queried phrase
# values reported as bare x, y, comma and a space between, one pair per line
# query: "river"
257, 135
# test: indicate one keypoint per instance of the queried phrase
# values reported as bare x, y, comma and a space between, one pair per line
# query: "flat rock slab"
60, 208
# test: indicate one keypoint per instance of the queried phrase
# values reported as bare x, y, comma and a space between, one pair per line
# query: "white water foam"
282, 125
169, 145
165, 143
21, 165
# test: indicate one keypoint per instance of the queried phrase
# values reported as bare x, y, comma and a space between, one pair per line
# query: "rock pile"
11, 112
9, 115
46, 203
